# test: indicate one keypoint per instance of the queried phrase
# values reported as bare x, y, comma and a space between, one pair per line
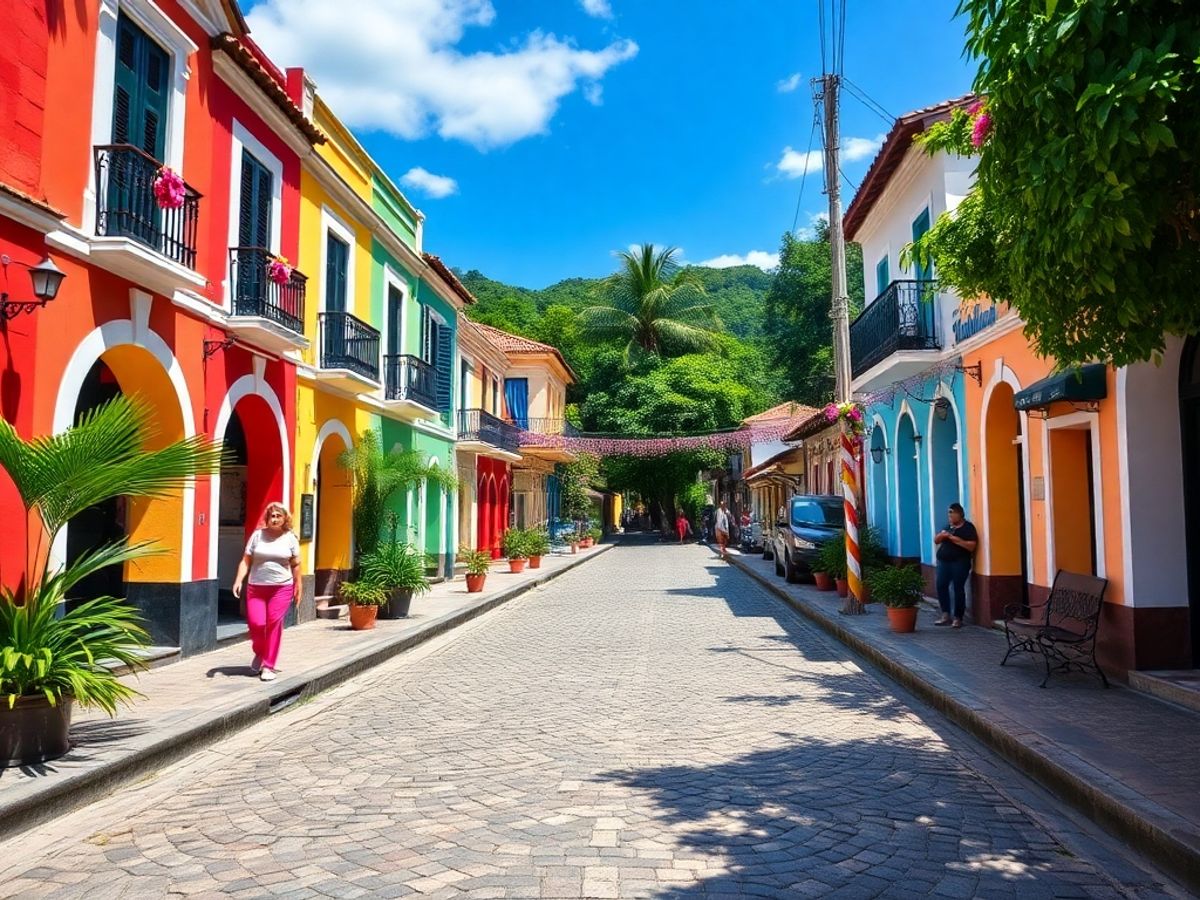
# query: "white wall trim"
243, 140
1079, 421
332, 222
393, 279
905, 411
117, 333
1003, 374
330, 427
247, 386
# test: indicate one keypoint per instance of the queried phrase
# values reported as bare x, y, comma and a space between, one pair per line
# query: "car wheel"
778, 565
790, 570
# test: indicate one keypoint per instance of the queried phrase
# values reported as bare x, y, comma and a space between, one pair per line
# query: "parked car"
812, 520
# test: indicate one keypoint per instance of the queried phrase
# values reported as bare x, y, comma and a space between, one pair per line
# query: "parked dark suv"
812, 520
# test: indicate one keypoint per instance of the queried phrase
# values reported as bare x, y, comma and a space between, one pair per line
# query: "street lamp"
941, 408
877, 454
46, 278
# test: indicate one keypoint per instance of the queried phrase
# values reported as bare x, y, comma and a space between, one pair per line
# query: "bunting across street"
609, 445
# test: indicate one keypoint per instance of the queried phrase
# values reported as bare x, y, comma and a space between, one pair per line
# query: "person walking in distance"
272, 562
721, 524
956, 545
682, 528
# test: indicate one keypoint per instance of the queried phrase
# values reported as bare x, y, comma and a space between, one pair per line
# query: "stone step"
329, 608
1182, 687
152, 657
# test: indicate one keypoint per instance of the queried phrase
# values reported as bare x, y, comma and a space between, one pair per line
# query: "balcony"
482, 432
410, 386
903, 318
126, 206
542, 437
265, 312
349, 352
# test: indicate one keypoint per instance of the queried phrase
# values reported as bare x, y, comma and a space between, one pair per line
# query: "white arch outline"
941, 391
878, 423
905, 410
1004, 375
247, 386
330, 427
121, 333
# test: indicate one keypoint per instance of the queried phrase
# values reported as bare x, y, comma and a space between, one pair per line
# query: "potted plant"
515, 546
830, 563
399, 569
573, 540
539, 546
874, 558
364, 598
478, 563
50, 654
595, 535
900, 589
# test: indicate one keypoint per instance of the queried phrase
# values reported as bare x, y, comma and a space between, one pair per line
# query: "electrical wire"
804, 178
821, 20
841, 38
867, 103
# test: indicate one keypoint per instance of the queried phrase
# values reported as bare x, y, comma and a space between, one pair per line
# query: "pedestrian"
682, 527
721, 523
956, 545
272, 562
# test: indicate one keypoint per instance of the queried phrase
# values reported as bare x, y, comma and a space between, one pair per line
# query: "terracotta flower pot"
535, 562
843, 587
33, 731
517, 565
823, 580
902, 620
475, 582
362, 617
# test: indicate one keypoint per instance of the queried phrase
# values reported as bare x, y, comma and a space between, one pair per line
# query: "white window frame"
178, 46
392, 279
244, 140
1077, 421
331, 222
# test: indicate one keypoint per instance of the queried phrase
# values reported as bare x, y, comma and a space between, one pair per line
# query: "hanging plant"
279, 271
849, 413
981, 123
169, 189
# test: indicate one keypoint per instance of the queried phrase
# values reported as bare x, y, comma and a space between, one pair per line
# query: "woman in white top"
272, 561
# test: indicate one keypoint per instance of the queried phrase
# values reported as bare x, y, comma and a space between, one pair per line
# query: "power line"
866, 100
841, 57
821, 20
804, 178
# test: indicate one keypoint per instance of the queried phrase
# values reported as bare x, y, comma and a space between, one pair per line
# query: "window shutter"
336, 256
140, 90
246, 205
263, 184
444, 372
426, 344
124, 82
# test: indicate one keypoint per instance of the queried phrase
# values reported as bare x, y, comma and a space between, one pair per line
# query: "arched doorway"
944, 477
908, 509
1189, 409
333, 535
880, 506
1004, 485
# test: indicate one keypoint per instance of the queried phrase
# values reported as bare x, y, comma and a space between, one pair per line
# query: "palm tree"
58, 655
654, 305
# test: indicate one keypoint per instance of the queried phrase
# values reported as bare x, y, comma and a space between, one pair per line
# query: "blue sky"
546, 135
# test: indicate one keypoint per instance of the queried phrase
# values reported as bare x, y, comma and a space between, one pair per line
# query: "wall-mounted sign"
1037, 488
971, 318
307, 517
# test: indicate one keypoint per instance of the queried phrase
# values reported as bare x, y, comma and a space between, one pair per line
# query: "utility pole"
840, 314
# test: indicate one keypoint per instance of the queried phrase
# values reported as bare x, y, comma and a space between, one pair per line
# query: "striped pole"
850, 501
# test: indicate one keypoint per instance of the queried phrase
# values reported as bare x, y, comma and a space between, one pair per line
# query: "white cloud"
760, 258
856, 148
436, 186
789, 84
809, 232
395, 65
601, 9
795, 164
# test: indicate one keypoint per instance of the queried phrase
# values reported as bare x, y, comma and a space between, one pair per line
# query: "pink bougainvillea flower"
981, 130
976, 108
279, 271
831, 413
169, 189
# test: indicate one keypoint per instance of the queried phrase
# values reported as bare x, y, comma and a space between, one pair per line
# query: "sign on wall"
972, 317
307, 517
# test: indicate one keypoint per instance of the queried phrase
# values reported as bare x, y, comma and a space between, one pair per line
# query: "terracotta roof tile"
788, 410
514, 343
449, 277
268, 81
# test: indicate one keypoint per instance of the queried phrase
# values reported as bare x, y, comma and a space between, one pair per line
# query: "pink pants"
266, 605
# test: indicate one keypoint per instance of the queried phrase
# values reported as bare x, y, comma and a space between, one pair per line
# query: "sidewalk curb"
80, 789
1021, 748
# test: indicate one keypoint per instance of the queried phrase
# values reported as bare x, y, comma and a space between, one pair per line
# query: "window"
254, 210
437, 349
882, 276
337, 258
395, 309
821, 513
140, 91
920, 225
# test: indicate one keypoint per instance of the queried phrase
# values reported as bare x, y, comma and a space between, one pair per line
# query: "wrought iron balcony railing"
482, 426
903, 317
349, 343
126, 205
411, 378
255, 293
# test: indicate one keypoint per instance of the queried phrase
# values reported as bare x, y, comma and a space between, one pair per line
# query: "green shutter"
336, 256
140, 90
254, 218
882, 276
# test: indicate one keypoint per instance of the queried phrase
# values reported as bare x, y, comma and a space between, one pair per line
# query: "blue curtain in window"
552, 499
516, 396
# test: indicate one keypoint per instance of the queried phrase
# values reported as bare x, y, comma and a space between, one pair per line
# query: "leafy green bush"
364, 593
515, 543
831, 558
395, 565
539, 542
899, 587
478, 562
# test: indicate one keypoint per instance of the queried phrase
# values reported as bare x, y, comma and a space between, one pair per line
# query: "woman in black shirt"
956, 545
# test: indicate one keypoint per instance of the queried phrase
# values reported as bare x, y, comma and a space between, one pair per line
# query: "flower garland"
849, 413
278, 270
657, 446
169, 189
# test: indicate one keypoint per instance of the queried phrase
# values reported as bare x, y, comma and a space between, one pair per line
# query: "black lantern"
46, 278
941, 408
877, 455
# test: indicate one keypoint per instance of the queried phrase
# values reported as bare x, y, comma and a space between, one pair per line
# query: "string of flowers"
850, 413
278, 270
169, 189
656, 446
887, 396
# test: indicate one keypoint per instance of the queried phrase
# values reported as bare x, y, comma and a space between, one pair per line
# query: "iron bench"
1063, 629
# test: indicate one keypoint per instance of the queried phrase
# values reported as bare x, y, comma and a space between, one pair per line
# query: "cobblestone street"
652, 724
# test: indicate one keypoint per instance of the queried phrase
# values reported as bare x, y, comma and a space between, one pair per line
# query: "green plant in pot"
365, 599
595, 535
539, 546
874, 557
900, 589
830, 565
52, 654
399, 569
515, 546
478, 563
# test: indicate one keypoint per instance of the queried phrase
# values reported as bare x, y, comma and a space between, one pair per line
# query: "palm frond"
683, 337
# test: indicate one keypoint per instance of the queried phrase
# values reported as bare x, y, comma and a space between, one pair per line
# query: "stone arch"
943, 437
880, 507
905, 450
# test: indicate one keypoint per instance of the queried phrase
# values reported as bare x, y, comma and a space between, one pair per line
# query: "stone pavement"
204, 698
654, 724
1129, 760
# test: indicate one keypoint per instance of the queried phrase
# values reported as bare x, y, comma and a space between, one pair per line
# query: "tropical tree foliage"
379, 475
575, 480
44, 649
653, 305
1085, 213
